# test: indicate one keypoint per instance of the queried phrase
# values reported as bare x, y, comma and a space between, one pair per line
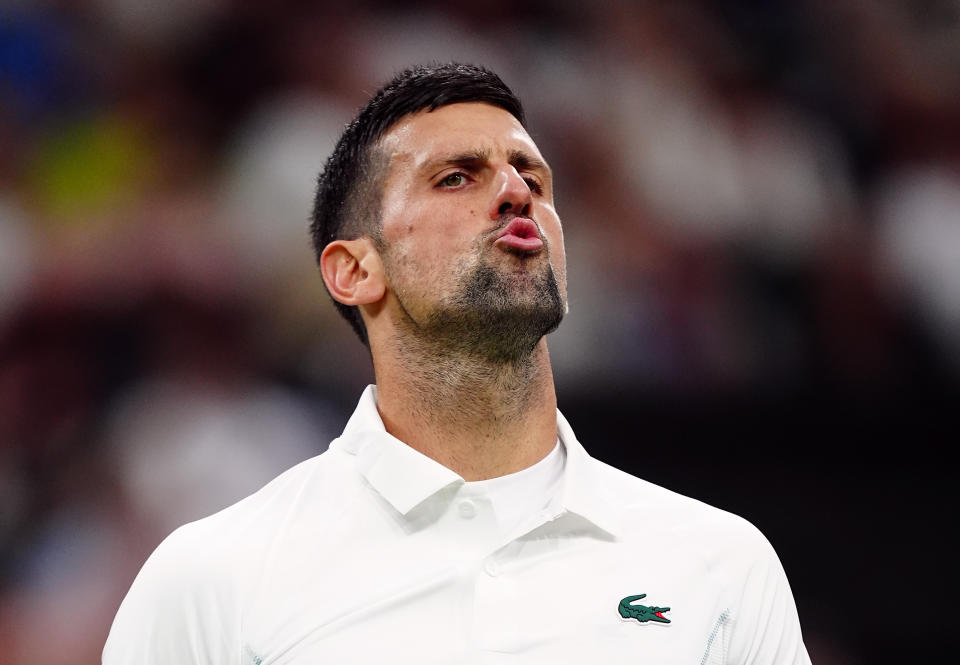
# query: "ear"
353, 272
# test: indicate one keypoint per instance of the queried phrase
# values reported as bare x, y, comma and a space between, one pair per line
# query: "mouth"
520, 235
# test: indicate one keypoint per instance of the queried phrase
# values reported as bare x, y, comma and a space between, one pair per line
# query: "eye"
454, 180
534, 185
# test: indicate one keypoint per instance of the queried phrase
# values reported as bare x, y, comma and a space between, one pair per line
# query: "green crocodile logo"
642, 613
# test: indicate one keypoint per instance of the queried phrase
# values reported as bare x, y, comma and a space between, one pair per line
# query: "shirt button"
467, 510
491, 568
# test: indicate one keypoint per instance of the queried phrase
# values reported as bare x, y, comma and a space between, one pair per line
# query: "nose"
512, 194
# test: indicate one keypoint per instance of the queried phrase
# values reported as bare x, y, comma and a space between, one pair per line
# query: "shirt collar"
405, 477
584, 493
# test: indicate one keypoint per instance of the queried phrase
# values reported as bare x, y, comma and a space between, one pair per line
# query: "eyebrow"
474, 159
471, 159
521, 160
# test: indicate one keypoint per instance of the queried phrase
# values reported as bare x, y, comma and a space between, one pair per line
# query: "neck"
478, 417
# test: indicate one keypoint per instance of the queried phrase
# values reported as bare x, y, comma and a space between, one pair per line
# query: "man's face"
471, 243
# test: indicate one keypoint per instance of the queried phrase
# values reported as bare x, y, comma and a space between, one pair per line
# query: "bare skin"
479, 431
454, 313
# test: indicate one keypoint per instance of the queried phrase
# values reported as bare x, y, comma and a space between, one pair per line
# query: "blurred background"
761, 203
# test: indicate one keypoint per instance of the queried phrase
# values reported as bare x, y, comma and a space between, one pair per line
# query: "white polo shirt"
374, 553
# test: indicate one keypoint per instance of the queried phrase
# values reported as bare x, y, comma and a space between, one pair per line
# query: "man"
457, 519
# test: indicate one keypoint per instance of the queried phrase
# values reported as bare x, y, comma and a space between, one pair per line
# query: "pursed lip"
521, 234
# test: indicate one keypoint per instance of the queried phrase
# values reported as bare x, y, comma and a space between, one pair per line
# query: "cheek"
423, 263
558, 262
554, 232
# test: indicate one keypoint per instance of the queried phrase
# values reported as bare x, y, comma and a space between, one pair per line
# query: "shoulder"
645, 507
718, 551
180, 608
229, 537
188, 599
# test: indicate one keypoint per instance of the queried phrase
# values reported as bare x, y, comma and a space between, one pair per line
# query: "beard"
496, 316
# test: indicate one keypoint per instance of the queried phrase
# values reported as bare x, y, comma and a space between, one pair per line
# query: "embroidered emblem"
642, 613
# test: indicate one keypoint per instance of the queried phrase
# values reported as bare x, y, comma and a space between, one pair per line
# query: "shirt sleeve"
763, 628
178, 610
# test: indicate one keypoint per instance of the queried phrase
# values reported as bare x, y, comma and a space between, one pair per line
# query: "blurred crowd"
757, 197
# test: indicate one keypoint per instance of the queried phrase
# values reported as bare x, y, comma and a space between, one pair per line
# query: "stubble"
494, 314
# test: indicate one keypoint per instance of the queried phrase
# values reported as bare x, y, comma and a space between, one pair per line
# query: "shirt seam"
721, 620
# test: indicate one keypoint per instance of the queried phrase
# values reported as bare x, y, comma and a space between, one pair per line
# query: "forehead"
425, 135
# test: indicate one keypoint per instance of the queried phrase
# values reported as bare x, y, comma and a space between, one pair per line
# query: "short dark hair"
347, 204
